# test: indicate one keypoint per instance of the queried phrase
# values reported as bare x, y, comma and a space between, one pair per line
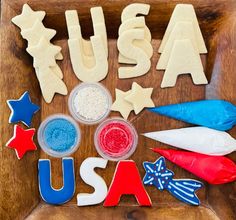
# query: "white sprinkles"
90, 102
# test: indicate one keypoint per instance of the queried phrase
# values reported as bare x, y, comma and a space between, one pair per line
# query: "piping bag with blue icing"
216, 114
159, 176
197, 139
213, 169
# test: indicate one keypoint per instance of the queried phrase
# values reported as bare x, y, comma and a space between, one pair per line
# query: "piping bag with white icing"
197, 139
216, 114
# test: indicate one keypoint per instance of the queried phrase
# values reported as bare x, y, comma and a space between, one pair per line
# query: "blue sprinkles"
60, 135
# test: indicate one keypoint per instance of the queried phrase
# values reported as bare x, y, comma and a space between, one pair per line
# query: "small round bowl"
88, 104
59, 135
115, 139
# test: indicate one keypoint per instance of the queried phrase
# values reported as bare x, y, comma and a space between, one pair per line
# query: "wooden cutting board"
19, 194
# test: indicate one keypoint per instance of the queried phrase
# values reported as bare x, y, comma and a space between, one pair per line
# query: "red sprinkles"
116, 138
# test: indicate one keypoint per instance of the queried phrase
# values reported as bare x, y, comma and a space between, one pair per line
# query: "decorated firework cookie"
159, 176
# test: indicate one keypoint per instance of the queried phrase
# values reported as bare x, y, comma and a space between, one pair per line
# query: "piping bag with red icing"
213, 169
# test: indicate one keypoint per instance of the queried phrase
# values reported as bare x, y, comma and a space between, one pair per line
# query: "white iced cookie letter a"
183, 59
89, 176
126, 47
93, 65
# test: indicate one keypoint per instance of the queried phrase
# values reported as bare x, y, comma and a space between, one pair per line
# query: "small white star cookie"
33, 35
121, 105
44, 53
140, 97
27, 17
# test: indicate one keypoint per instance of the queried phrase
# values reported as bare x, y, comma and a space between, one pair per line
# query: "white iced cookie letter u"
89, 176
92, 65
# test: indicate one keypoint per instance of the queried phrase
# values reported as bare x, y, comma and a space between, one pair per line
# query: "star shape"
121, 105
140, 97
22, 109
22, 141
157, 174
44, 53
27, 17
34, 34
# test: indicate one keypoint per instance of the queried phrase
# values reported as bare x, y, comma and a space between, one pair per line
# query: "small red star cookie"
22, 141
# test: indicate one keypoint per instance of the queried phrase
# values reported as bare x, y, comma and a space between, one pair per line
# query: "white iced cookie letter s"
126, 47
93, 65
89, 176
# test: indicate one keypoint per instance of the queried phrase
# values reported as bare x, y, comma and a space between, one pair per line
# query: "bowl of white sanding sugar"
90, 103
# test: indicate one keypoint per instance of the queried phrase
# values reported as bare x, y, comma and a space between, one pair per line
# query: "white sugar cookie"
36, 32
85, 74
130, 51
183, 60
27, 17
88, 58
181, 31
121, 105
99, 27
145, 45
184, 12
44, 53
133, 10
50, 84
140, 97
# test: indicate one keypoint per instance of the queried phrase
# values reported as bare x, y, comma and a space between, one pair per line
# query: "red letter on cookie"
126, 180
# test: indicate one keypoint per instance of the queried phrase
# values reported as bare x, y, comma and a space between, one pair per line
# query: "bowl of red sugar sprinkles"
90, 103
115, 139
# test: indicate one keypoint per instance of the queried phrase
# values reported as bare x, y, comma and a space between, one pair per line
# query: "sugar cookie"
44, 53
22, 141
85, 74
50, 84
127, 180
140, 97
181, 31
133, 10
137, 22
183, 60
121, 105
88, 58
184, 12
47, 192
27, 17
22, 109
126, 47
90, 177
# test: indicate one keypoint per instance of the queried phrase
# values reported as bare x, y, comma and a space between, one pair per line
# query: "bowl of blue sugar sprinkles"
59, 135
90, 103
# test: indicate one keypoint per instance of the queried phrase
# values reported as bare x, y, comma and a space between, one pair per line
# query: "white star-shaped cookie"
121, 105
44, 53
140, 97
27, 17
34, 34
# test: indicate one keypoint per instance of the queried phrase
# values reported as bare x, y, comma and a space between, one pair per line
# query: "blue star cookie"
22, 109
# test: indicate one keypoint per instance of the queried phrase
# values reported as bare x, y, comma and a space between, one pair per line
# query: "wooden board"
19, 188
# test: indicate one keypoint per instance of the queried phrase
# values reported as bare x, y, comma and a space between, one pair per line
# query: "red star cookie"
22, 141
